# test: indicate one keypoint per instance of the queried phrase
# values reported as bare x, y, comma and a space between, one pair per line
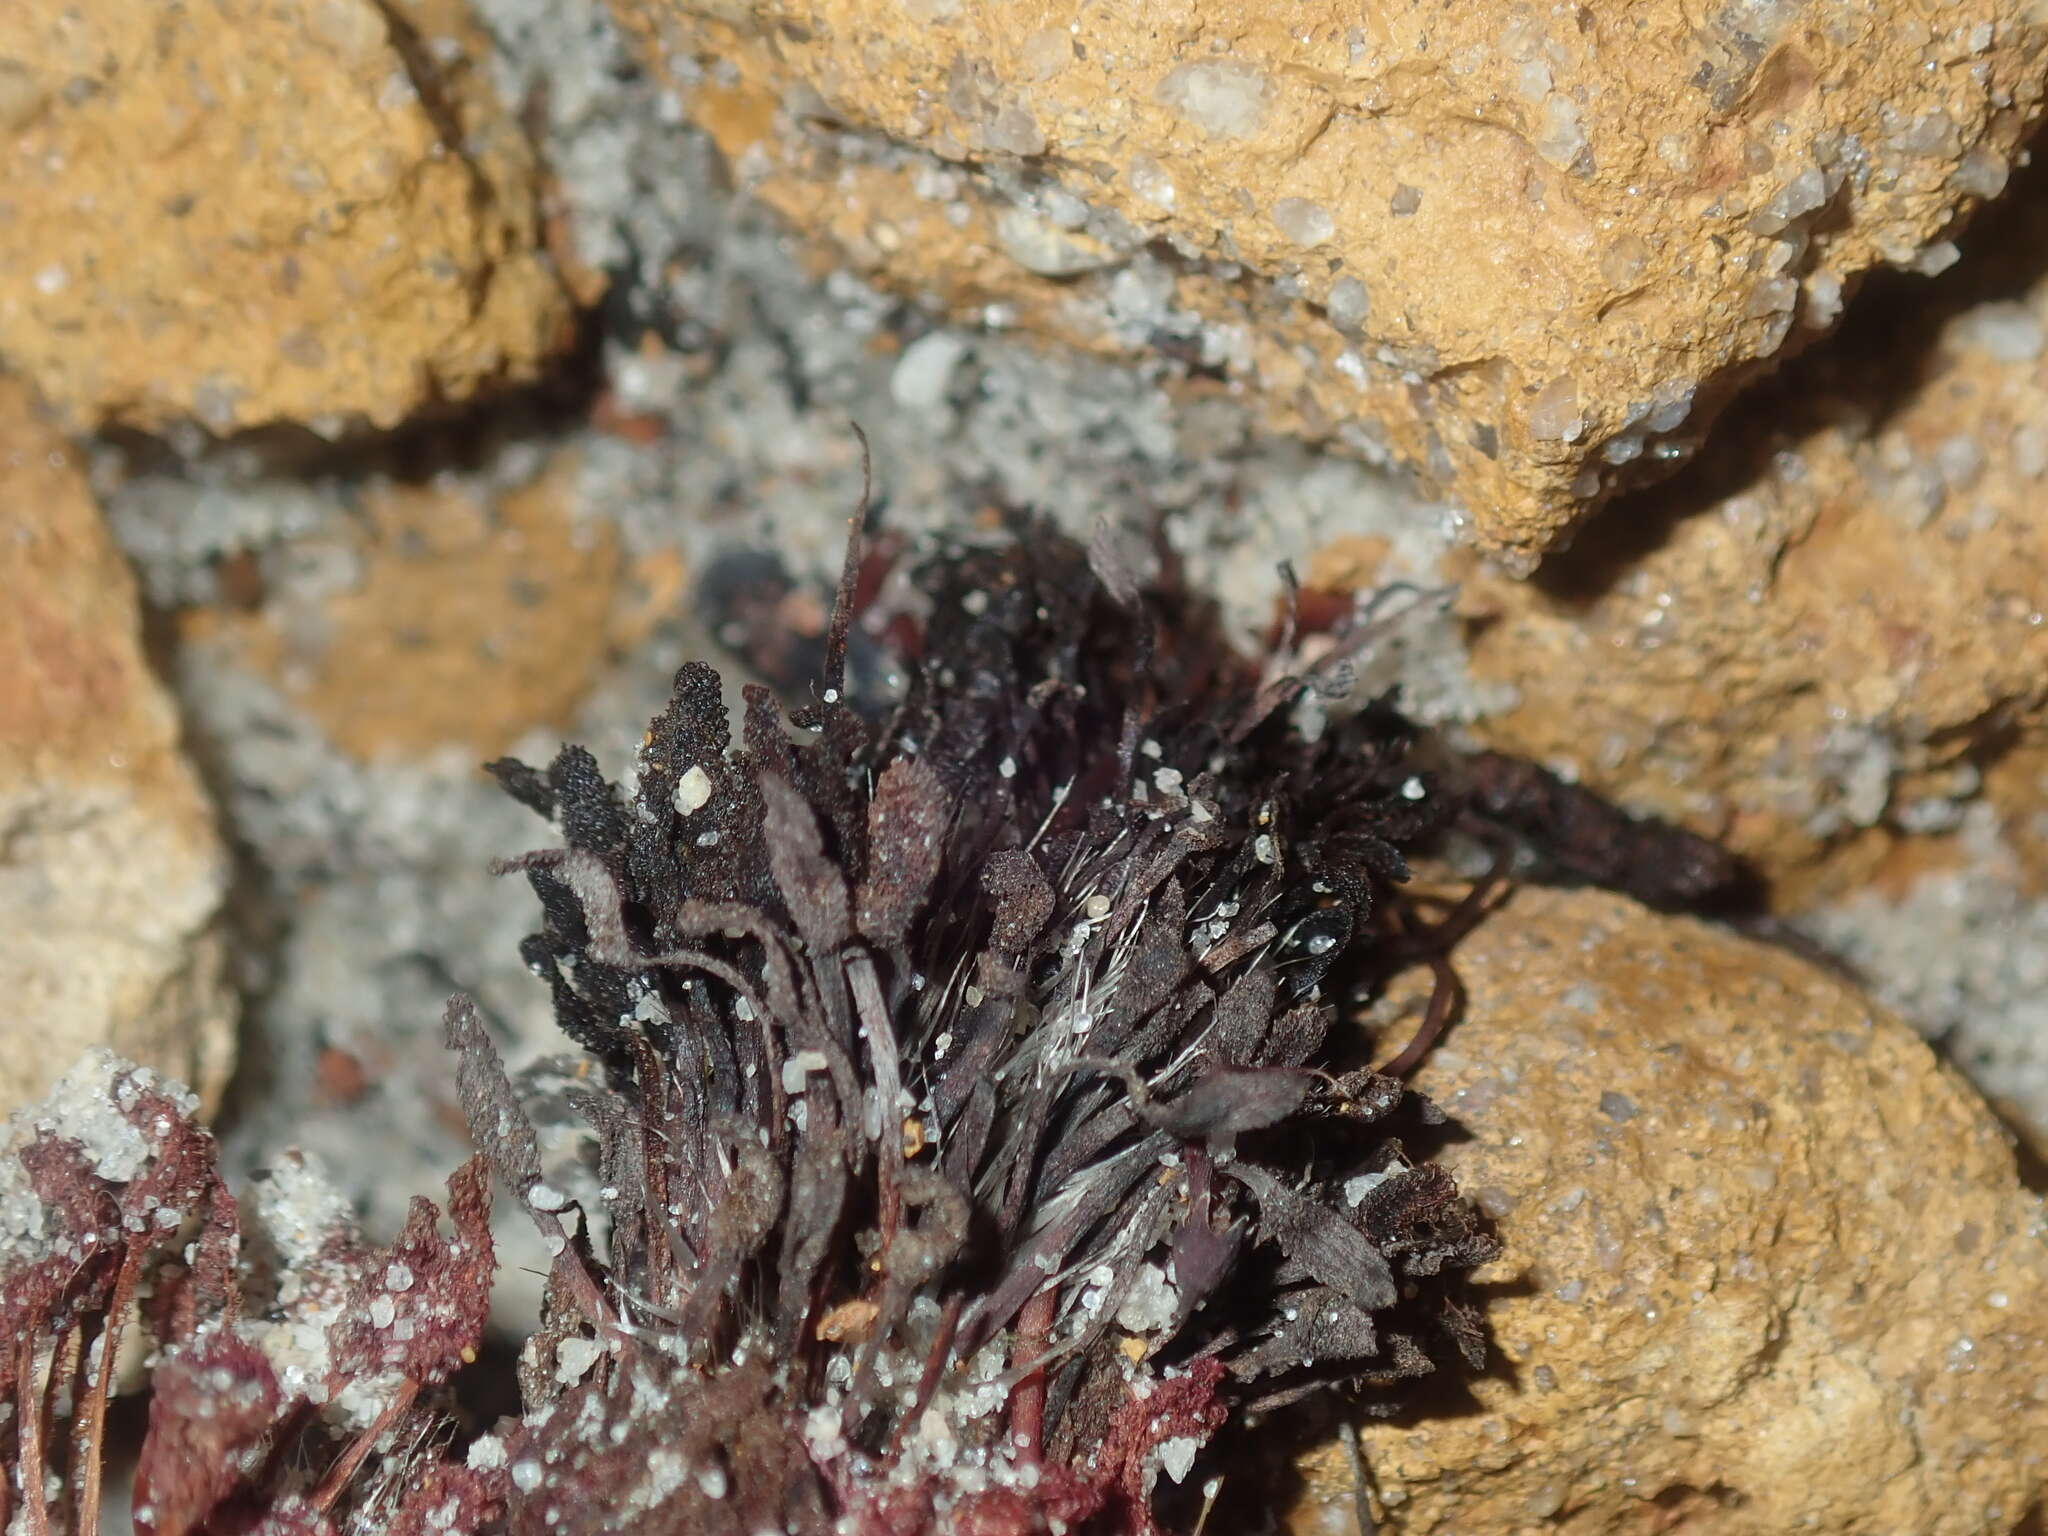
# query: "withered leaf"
1590, 839
811, 885
1315, 1236
497, 1123
906, 829
420, 1306
190, 1457
1226, 1102
1243, 1015
444, 1498
1319, 1324
1024, 898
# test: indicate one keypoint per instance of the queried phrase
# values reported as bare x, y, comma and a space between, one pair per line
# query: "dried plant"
292, 1391
970, 1148
977, 1128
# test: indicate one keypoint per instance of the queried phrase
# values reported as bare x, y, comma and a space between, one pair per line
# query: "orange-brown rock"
310, 210
1525, 249
468, 616
111, 871
1768, 1267
1816, 647
2018, 783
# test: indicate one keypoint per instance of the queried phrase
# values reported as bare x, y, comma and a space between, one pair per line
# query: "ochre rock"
461, 616
111, 871
1768, 1267
1815, 653
1524, 249
307, 210
2018, 783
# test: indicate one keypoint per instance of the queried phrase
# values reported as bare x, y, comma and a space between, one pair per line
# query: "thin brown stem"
1432, 942
1478, 901
934, 1368
339, 1474
88, 1437
28, 1414
1027, 1402
1443, 1001
886, 1065
1361, 1482
849, 576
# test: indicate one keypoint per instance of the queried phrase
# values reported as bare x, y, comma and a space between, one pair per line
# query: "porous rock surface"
111, 872
1957, 942
1820, 650
1768, 1267
1524, 249
456, 613
308, 210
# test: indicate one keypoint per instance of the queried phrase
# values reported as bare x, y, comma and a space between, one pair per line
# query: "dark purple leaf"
906, 844
1320, 1240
